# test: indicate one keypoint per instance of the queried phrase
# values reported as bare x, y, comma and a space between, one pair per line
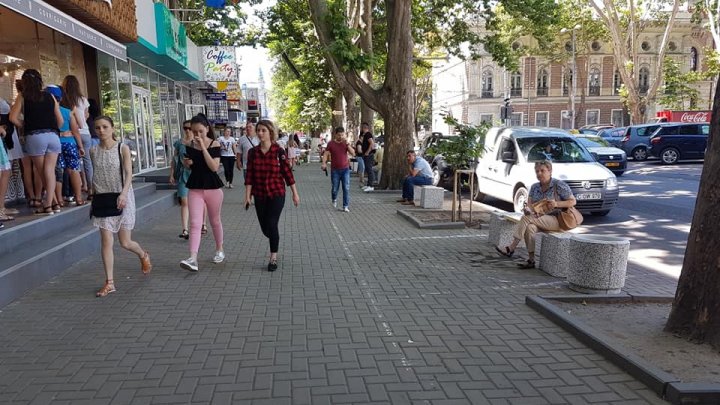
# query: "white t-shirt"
226, 146
79, 111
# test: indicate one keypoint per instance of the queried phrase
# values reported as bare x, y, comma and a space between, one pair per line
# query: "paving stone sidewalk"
365, 308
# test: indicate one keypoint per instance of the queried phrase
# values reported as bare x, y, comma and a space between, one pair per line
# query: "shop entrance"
144, 158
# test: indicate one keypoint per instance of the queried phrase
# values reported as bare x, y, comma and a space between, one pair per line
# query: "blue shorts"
70, 157
41, 143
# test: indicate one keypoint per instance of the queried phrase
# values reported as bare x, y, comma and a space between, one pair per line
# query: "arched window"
542, 82
617, 82
516, 84
567, 81
487, 84
644, 80
693, 59
594, 89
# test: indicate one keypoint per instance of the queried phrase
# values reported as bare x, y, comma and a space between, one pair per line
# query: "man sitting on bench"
420, 174
541, 212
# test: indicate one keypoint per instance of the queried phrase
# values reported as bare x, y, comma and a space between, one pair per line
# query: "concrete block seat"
35, 251
428, 196
597, 263
552, 253
502, 226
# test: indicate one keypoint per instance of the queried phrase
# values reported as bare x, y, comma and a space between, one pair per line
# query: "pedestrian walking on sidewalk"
337, 151
113, 174
228, 150
267, 174
203, 157
179, 175
247, 142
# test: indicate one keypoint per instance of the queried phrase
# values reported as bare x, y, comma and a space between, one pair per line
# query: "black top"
201, 177
40, 114
367, 136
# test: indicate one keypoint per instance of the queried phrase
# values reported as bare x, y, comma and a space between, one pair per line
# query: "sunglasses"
187, 128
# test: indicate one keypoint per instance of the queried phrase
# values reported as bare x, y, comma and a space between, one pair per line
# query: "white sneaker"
346, 209
335, 203
368, 189
189, 264
219, 257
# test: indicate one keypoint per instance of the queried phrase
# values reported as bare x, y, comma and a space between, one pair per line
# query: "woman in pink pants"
203, 157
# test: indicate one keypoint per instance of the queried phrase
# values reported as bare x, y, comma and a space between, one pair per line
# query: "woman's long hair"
32, 85
200, 118
270, 126
71, 92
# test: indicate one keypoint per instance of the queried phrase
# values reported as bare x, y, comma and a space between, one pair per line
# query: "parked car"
637, 140
594, 129
609, 156
441, 170
674, 142
613, 135
507, 168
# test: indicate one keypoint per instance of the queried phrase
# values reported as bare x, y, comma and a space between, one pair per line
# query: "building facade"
540, 90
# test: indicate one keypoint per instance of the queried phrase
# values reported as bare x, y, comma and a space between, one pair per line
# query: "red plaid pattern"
268, 173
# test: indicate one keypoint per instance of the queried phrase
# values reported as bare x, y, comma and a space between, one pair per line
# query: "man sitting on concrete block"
420, 174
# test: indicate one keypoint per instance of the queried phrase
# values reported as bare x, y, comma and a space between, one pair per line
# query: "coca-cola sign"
691, 116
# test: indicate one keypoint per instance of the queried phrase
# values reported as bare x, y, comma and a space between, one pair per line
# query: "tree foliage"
303, 87
226, 26
463, 149
679, 91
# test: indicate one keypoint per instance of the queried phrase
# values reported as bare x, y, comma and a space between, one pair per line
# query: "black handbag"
9, 129
105, 204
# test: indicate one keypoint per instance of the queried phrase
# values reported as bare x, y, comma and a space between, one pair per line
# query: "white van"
507, 168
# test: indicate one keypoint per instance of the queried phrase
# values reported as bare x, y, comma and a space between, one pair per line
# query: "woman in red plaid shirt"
267, 173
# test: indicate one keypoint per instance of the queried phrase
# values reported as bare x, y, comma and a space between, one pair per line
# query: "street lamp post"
574, 73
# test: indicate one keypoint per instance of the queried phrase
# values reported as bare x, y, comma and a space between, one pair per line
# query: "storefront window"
140, 76
159, 137
175, 115
109, 97
126, 111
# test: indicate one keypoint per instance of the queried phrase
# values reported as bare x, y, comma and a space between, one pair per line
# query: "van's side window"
689, 130
506, 145
668, 131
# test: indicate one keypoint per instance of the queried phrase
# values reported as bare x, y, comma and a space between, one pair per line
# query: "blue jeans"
361, 165
336, 175
410, 182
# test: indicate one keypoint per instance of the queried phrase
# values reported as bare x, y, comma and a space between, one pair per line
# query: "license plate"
612, 164
588, 196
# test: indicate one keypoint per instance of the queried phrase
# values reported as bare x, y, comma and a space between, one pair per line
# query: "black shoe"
272, 266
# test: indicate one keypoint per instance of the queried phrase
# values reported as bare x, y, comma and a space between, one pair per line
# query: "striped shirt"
268, 173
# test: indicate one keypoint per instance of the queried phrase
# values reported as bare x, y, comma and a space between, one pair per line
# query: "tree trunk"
367, 114
337, 119
696, 310
398, 89
351, 113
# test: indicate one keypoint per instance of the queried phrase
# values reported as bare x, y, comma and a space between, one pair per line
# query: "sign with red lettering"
219, 64
684, 116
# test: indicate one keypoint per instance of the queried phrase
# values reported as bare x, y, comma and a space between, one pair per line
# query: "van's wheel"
477, 195
436, 176
601, 213
520, 198
640, 153
670, 156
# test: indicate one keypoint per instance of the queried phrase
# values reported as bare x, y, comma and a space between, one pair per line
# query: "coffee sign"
219, 64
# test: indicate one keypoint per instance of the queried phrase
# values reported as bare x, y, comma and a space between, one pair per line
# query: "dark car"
613, 135
637, 140
441, 170
674, 142
607, 155
594, 129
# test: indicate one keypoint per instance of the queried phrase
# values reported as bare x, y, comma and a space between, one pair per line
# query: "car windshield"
558, 150
594, 142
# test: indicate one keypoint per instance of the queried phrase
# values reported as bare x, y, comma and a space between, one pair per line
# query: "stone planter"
501, 229
597, 263
552, 253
